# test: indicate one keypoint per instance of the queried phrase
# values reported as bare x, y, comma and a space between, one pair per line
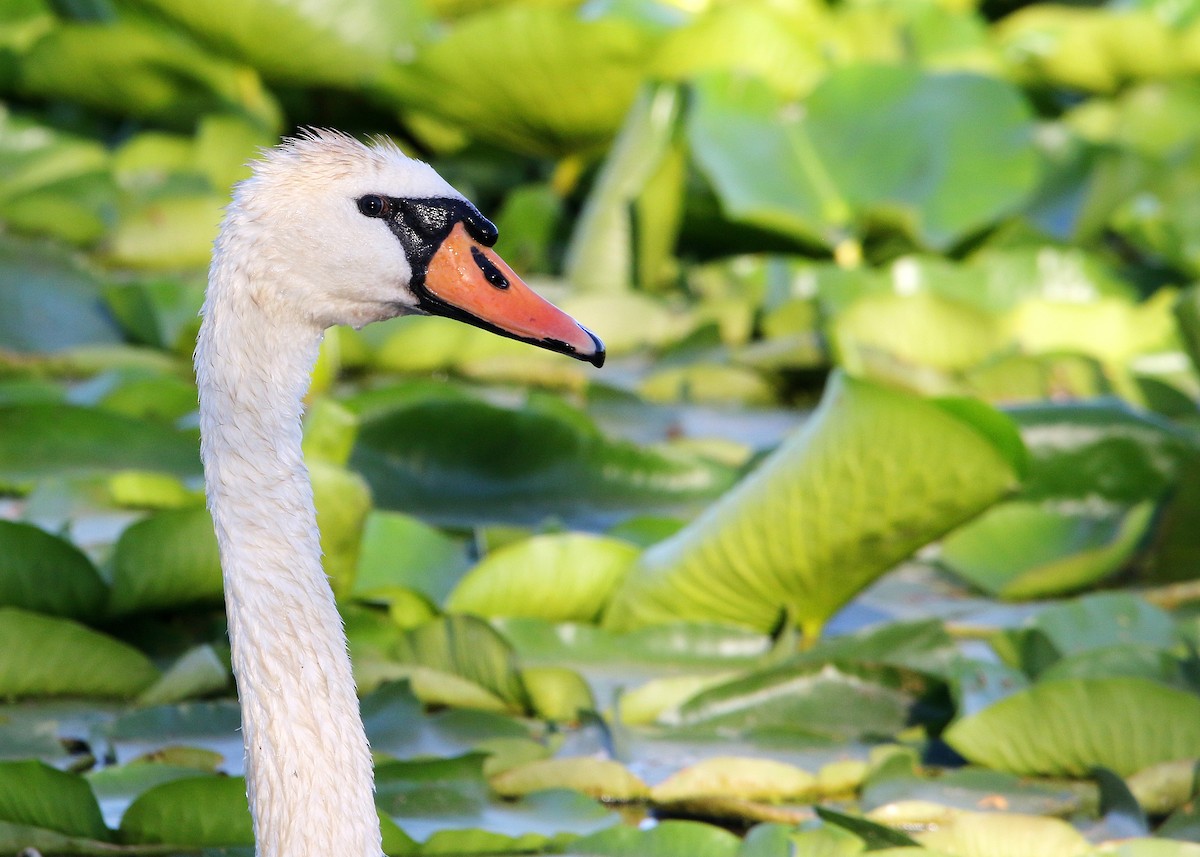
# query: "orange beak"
467, 281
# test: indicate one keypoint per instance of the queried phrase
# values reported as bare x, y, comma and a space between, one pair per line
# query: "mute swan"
326, 231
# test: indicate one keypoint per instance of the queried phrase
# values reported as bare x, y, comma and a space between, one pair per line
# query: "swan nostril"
490, 272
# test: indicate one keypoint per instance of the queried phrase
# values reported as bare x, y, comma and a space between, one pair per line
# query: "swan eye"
372, 205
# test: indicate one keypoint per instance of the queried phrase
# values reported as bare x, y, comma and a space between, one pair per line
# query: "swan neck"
308, 765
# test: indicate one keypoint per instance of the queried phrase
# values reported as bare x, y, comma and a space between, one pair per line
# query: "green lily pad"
48, 301
41, 440
556, 82
196, 811
470, 649
37, 796
1099, 449
561, 578
400, 550
1028, 550
167, 560
1069, 726
870, 141
736, 777
54, 183
806, 700
48, 656
139, 69
461, 460
667, 839
46, 574
600, 778
324, 44
827, 498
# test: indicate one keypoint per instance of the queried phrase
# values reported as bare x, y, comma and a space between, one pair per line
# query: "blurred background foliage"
969, 229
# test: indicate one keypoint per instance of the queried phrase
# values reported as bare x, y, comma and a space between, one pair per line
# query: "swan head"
340, 232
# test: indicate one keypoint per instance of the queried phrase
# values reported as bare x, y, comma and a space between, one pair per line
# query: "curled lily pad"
826, 499
1026, 550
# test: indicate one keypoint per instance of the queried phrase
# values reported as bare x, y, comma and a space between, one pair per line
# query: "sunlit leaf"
726, 776
779, 43
557, 693
399, 550
47, 656
562, 578
343, 501
557, 81
608, 246
329, 44
142, 70
828, 498
599, 778
981, 834
469, 648
1069, 726
1164, 787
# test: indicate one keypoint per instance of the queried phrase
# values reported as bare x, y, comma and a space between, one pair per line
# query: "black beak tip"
597, 357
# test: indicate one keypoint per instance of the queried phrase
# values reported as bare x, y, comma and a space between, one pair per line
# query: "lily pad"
870, 141
560, 578
1028, 550
46, 574
165, 561
48, 301
736, 777
600, 778
38, 796
827, 498
667, 839
470, 649
557, 82
40, 440
325, 44
462, 460
400, 550
47, 656
1069, 726
196, 811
